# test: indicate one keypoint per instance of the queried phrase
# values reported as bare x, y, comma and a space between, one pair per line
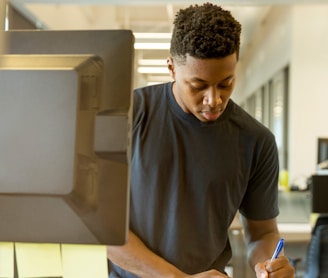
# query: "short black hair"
206, 31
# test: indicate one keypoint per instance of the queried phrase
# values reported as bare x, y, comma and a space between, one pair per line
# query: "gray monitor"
65, 114
322, 150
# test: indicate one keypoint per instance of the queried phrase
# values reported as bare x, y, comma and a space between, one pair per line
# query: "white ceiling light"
152, 40
153, 70
152, 45
152, 62
152, 35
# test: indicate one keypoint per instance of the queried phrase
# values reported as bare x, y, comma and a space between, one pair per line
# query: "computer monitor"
65, 120
319, 191
322, 150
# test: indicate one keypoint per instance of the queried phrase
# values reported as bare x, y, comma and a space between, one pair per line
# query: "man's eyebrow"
197, 79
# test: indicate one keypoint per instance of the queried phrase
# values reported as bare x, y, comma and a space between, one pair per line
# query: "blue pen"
279, 247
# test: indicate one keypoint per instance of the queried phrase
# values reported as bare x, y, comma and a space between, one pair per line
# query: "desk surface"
294, 220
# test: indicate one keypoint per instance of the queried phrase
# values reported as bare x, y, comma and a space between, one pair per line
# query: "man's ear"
170, 66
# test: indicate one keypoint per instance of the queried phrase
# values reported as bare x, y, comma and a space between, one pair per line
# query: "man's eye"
225, 85
197, 88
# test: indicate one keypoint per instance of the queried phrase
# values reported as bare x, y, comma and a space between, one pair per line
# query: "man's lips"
211, 115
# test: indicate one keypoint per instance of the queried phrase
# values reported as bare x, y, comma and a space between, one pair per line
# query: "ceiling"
141, 16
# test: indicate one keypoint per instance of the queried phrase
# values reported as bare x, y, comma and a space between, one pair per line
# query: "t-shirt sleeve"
260, 201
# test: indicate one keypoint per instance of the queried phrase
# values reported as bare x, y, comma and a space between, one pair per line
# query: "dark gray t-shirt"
188, 179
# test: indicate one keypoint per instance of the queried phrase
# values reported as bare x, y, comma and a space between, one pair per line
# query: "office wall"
270, 51
308, 86
295, 36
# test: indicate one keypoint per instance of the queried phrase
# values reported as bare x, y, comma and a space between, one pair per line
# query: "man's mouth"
212, 115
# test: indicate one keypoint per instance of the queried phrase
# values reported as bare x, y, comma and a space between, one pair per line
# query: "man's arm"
135, 257
261, 239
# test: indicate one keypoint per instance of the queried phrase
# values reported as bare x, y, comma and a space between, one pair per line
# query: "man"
197, 159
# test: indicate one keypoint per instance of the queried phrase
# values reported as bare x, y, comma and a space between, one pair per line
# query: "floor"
298, 251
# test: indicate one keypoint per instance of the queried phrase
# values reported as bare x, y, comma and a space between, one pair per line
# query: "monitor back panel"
62, 179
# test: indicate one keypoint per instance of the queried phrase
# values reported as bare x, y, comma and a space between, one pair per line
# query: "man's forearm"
262, 249
135, 257
261, 239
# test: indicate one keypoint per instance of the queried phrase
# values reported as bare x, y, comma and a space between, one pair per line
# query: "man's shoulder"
149, 97
247, 122
150, 100
153, 89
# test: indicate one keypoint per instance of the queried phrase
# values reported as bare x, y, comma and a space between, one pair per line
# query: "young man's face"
203, 87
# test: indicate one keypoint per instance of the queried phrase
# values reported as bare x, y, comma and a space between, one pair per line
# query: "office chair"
317, 254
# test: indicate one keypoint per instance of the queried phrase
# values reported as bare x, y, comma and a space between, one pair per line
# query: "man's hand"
280, 267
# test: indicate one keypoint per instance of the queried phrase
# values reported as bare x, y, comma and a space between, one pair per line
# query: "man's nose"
212, 97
